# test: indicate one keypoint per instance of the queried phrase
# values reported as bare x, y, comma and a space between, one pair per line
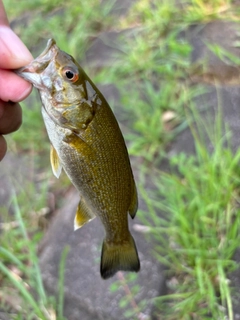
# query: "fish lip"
32, 71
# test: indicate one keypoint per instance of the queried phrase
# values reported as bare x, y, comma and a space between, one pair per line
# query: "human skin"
13, 55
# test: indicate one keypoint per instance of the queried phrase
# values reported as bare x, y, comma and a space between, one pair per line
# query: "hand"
13, 55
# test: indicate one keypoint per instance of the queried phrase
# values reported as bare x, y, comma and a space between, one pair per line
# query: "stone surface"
4, 316
211, 67
223, 99
87, 295
15, 174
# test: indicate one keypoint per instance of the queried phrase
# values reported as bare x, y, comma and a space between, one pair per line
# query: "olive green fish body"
87, 143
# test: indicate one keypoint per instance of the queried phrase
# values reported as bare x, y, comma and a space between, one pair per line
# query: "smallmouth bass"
87, 143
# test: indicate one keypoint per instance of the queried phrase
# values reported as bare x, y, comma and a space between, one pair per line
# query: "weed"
128, 301
71, 24
32, 134
204, 11
23, 273
201, 224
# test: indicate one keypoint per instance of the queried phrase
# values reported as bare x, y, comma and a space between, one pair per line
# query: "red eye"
70, 74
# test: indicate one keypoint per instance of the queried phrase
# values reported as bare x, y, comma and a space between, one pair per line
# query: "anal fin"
55, 162
83, 215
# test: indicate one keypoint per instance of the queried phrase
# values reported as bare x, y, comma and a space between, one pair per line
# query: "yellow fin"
83, 215
116, 257
55, 162
134, 202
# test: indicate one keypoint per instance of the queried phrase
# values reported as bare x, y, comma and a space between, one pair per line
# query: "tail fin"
116, 257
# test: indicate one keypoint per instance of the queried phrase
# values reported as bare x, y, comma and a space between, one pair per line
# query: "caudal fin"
116, 257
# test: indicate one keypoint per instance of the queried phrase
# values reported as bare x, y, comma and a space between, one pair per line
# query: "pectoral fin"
75, 140
134, 202
83, 215
55, 162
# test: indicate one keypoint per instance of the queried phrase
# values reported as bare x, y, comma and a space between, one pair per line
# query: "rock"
212, 68
86, 294
223, 99
15, 174
4, 316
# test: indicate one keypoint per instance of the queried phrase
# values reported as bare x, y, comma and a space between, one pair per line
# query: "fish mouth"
32, 72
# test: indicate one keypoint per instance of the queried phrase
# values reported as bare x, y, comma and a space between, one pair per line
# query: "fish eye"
70, 74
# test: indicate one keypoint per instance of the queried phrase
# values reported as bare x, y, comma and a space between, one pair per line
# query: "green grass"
20, 270
71, 24
202, 227
203, 10
197, 232
200, 194
34, 135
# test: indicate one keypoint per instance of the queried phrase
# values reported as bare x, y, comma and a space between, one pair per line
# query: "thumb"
13, 53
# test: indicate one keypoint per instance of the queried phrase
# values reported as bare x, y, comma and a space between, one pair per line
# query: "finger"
12, 87
13, 53
3, 147
10, 117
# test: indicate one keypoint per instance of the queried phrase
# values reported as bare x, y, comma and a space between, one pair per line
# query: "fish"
87, 143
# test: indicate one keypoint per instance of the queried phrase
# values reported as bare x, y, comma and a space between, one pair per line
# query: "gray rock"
86, 294
224, 34
15, 174
217, 99
4, 316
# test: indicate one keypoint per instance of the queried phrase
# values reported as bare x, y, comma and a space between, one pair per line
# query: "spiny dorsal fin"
83, 215
134, 202
55, 162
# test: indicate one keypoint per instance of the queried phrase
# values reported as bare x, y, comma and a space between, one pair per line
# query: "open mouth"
32, 71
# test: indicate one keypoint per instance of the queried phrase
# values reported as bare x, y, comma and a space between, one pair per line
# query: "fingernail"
13, 52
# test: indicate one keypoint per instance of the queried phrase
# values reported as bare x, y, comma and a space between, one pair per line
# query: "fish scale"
87, 143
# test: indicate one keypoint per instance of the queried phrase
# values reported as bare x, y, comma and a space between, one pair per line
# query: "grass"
200, 194
201, 206
34, 134
201, 10
21, 276
70, 24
